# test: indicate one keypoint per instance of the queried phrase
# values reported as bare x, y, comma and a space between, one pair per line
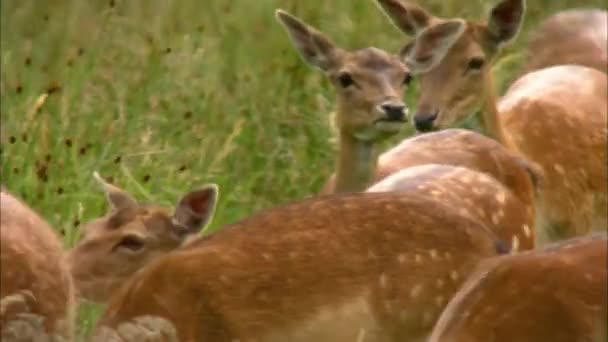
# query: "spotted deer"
365, 80
558, 293
475, 194
555, 117
36, 290
131, 236
575, 36
369, 84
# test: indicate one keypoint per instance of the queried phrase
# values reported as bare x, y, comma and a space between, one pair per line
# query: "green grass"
164, 96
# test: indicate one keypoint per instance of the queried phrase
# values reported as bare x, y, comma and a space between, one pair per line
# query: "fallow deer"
558, 293
132, 235
555, 117
475, 194
369, 84
576, 36
36, 290
373, 79
346, 267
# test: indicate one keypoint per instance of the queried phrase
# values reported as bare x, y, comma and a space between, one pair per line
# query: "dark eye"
131, 243
407, 79
346, 80
476, 63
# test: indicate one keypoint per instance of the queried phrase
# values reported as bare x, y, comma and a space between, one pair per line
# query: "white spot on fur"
515, 243
454, 275
266, 256
418, 258
415, 291
401, 258
434, 255
559, 169
495, 218
383, 281
501, 197
526, 230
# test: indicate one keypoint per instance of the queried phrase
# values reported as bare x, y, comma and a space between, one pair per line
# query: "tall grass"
163, 96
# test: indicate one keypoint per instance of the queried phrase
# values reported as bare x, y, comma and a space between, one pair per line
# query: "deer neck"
357, 161
490, 117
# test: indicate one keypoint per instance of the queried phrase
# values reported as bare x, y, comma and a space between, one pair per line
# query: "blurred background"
163, 96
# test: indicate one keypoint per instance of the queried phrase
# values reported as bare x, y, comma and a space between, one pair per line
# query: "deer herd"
449, 236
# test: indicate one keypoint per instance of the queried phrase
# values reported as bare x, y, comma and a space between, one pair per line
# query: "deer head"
131, 235
369, 82
452, 57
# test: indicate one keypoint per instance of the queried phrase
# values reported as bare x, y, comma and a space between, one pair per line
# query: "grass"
164, 96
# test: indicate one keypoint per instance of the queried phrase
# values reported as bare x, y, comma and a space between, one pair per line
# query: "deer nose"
394, 112
424, 121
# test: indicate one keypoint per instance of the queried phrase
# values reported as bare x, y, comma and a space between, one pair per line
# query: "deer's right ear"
432, 44
117, 197
409, 18
195, 210
316, 49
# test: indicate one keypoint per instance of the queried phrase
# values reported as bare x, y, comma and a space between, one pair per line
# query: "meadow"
164, 96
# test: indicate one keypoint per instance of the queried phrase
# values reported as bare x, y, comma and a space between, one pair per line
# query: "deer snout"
394, 111
424, 121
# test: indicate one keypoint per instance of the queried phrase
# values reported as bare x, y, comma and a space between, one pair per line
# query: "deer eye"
346, 80
475, 64
131, 243
407, 79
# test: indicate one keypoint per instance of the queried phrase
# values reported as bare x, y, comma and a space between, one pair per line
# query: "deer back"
36, 292
576, 36
474, 194
558, 293
333, 268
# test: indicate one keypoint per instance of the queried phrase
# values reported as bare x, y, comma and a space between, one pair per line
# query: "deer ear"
505, 21
316, 49
195, 210
117, 197
432, 44
409, 18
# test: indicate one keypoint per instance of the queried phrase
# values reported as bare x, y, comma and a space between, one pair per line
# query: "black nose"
424, 122
394, 112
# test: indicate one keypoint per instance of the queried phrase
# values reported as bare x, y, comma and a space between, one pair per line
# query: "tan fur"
379, 80
576, 36
475, 194
362, 266
129, 237
555, 117
558, 293
36, 291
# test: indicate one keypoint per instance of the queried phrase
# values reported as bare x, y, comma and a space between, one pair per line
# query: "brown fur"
558, 293
34, 282
379, 79
475, 194
375, 266
577, 36
555, 117
131, 236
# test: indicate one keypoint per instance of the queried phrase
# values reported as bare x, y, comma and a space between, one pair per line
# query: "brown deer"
555, 117
346, 267
575, 36
373, 76
556, 294
36, 290
132, 235
475, 194
369, 84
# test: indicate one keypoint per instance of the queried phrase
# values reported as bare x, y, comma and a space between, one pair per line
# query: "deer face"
132, 235
369, 82
451, 58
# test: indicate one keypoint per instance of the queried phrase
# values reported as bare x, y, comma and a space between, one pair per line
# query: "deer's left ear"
195, 210
505, 21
